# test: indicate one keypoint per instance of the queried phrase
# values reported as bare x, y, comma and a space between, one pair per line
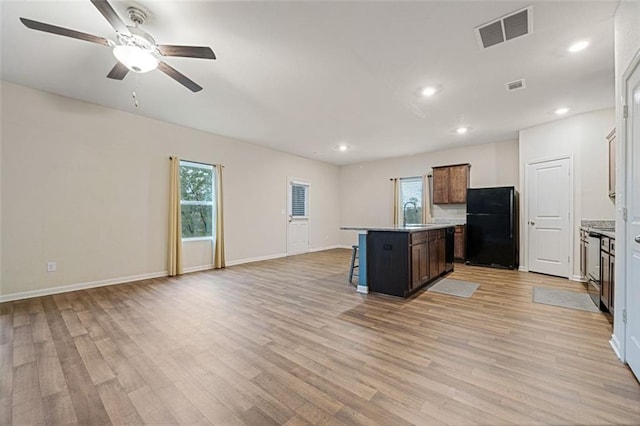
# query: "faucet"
404, 211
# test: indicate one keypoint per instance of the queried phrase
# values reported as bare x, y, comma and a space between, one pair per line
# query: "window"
299, 199
411, 200
196, 200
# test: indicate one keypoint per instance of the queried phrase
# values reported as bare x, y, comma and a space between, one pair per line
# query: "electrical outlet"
51, 266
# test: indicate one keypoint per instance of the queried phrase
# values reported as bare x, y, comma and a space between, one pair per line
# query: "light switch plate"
51, 266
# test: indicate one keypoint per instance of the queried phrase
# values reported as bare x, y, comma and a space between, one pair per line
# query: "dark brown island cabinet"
401, 263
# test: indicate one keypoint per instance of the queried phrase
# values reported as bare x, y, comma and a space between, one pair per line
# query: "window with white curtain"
410, 200
197, 188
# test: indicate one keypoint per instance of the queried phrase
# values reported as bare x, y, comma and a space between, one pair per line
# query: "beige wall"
583, 137
86, 186
366, 192
627, 46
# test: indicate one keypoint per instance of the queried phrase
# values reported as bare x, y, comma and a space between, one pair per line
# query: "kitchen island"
400, 260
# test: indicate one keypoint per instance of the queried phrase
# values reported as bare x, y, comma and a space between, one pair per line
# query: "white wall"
87, 187
583, 137
366, 196
627, 46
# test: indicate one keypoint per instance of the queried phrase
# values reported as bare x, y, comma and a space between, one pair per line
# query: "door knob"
638, 239
532, 223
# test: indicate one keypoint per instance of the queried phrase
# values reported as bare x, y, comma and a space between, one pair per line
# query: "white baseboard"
197, 268
335, 246
131, 278
278, 255
256, 259
80, 286
523, 269
362, 289
579, 278
615, 345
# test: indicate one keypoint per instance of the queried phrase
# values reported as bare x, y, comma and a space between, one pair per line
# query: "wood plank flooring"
289, 341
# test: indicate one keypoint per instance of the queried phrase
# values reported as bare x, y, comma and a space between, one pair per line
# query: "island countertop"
399, 228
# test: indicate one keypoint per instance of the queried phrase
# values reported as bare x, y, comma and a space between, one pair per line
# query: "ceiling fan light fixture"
135, 59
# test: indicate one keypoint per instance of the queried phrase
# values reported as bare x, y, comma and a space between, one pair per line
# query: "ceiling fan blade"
118, 72
179, 77
187, 51
107, 11
48, 28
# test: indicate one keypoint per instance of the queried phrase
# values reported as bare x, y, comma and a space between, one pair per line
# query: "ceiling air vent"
515, 85
507, 28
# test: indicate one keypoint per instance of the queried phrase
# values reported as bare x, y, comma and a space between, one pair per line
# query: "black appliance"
492, 227
448, 255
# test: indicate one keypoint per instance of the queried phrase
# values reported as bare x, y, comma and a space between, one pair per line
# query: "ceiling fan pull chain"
133, 94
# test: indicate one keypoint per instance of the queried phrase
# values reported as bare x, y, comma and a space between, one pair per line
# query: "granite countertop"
602, 227
399, 228
607, 232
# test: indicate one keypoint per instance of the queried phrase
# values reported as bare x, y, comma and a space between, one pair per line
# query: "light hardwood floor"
289, 341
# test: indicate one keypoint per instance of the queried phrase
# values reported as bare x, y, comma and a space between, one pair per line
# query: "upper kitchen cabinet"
611, 138
450, 184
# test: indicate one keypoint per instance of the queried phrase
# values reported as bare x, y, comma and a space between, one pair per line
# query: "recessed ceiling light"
462, 130
561, 111
578, 46
343, 147
429, 91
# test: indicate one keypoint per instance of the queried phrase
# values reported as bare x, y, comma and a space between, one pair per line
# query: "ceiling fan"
135, 49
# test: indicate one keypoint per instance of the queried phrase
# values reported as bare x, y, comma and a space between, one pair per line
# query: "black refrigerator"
492, 227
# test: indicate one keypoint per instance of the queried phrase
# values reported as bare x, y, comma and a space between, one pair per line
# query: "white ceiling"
303, 77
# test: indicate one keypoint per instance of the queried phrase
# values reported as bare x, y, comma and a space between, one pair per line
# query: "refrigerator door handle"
511, 215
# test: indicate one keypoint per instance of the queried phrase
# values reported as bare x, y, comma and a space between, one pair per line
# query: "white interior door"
632, 132
298, 218
548, 200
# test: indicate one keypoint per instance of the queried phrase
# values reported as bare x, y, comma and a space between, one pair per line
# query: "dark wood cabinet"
433, 255
441, 251
419, 259
458, 184
441, 185
459, 243
605, 281
612, 272
450, 184
400, 263
607, 273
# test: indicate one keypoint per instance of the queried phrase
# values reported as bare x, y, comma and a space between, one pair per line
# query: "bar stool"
354, 257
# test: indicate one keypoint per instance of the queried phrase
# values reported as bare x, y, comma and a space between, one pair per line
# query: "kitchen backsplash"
449, 220
449, 214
